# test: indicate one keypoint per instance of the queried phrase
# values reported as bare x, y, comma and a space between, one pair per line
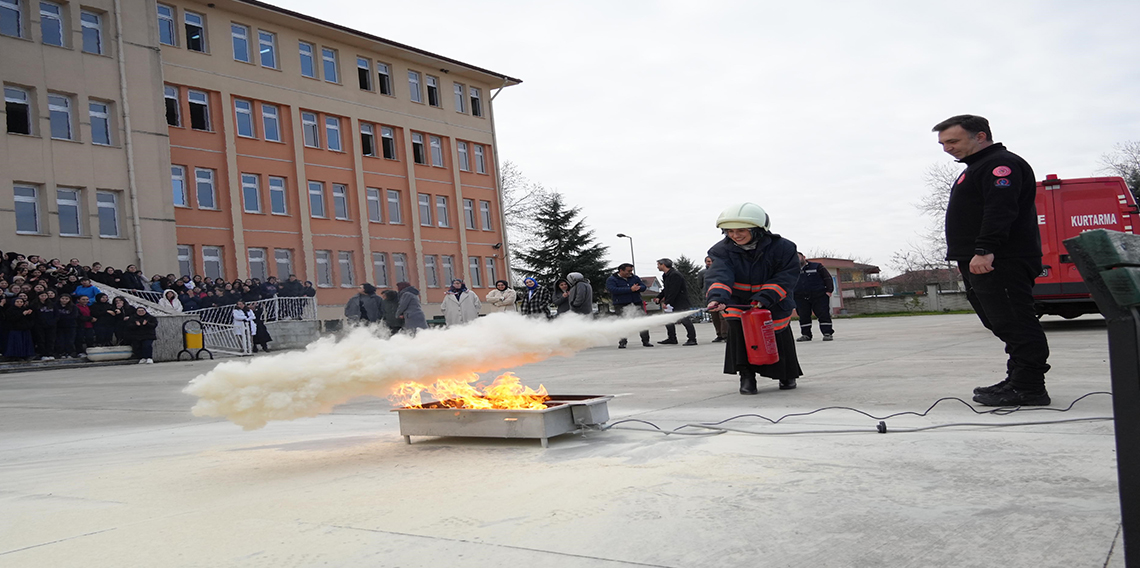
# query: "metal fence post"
1109, 263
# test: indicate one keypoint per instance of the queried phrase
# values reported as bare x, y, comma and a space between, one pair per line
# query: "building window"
433, 91
328, 57
18, 111
419, 156
178, 184
480, 165
347, 279
473, 268
441, 213
469, 213
92, 32
60, 108
485, 214
367, 140
11, 20
204, 183
460, 98
388, 142
108, 202
284, 260
173, 105
400, 264
166, 28
67, 201
364, 73
269, 123
340, 201
448, 263
277, 203
373, 205
199, 110
240, 36
492, 277
476, 102
195, 31
384, 78
51, 23
380, 269
257, 268
432, 272
436, 151
267, 46
425, 210
414, 87
464, 159
185, 264
316, 199
308, 66
244, 111
100, 123
310, 129
27, 209
394, 207
324, 271
250, 194
332, 133
212, 262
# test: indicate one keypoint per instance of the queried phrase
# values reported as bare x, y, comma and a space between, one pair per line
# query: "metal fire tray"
564, 413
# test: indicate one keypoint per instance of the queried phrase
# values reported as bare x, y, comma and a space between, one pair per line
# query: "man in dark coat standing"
991, 231
813, 295
675, 298
625, 289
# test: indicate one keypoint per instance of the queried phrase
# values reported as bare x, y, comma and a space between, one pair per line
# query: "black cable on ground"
716, 428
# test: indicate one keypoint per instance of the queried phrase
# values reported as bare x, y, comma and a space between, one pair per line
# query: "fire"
504, 393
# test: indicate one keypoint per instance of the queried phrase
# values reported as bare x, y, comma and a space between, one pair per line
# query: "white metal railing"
148, 295
218, 322
134, 297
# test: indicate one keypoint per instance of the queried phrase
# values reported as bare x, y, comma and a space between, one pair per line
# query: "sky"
653, 116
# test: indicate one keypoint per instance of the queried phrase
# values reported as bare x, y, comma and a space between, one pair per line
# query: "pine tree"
693, 285
563, 245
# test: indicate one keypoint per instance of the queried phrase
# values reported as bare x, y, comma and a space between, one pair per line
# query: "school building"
237, 139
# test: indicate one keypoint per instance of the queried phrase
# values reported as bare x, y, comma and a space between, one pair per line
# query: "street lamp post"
632, 259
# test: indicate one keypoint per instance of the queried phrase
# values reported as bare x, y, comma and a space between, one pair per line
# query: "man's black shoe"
992, 388
748, 384
828, 337
803, 338
718, 339
621, 344
647, 344
667, 342
787, 384
689, 342
1010, 396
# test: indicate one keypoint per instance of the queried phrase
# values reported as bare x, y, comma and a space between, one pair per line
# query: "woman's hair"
503, 282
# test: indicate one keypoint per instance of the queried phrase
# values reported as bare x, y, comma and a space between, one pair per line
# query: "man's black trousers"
1003, 300
690, 331
820, 305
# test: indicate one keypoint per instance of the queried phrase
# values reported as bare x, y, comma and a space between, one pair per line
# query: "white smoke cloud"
329, 372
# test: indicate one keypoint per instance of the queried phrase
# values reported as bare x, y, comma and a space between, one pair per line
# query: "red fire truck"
1066, 208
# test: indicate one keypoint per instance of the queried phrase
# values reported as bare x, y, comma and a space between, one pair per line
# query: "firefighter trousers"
820, 305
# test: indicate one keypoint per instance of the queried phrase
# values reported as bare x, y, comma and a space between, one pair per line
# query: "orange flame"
504, 393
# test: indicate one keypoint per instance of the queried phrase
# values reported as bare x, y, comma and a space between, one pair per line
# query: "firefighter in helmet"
753, 266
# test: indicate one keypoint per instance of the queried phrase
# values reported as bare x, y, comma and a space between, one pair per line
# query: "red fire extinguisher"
759, 336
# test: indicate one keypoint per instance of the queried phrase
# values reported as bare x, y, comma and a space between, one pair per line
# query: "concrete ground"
106, 467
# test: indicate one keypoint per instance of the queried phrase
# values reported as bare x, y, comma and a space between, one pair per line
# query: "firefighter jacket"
814, 280
765, 276
992, 207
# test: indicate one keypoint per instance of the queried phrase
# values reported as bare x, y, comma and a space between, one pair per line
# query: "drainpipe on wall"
132, 186
498, 185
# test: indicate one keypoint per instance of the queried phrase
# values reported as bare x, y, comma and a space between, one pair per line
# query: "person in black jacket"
103, 316
753, 266
123, 312
675, 297
44, 333
67, 319
140, 333
19, 319
991, 231
813, 295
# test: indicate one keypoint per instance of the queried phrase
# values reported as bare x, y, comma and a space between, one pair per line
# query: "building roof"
934, 275
846, 263
507, 80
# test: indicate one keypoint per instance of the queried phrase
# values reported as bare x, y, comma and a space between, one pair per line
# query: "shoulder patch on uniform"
960, 178
1002, 171
1001, 182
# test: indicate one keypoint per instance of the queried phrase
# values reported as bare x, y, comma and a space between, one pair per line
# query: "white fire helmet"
743, 216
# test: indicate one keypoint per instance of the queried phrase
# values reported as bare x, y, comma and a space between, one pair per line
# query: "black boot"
748, 382
787, 384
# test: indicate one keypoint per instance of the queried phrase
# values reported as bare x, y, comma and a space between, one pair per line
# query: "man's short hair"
666, 262
623, 266
970, 123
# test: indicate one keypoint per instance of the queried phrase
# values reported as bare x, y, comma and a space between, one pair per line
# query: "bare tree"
522, 200
1124, 161
929, 252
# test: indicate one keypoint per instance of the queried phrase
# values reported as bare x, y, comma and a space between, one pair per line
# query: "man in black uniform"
813, 295
675, 294
991, 231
